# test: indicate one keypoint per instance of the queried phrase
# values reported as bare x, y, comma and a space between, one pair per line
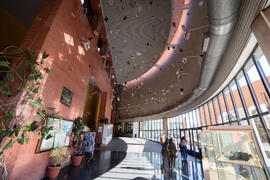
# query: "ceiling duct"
222, 16
222, 19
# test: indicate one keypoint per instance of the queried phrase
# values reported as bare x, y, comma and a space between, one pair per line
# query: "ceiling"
148, 47
137, 31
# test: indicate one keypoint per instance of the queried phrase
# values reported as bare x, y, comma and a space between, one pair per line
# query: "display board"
107, 133
61, 133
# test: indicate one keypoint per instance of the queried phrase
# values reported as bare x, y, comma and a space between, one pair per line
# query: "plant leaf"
33, 126
49, 71
37, 102
17, 130
49, 136
20, 140
9, 144
45, 55
41, 113
36, 119
32, 52
26, 122
10, 76
4, 63
21, 70
31, 78
26, 140
40, 76
55, 115
10, 115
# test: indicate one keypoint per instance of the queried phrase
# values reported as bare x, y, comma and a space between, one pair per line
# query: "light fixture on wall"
205, 44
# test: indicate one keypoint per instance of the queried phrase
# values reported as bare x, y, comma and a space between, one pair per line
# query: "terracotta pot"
76, 160
53, 172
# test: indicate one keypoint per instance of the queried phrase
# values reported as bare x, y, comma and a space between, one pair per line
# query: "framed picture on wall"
61, 133
66, 97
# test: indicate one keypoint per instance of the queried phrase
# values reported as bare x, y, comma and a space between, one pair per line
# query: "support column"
165, 126
261, 30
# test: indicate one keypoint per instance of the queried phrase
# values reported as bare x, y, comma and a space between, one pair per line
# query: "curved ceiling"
248, 11
174, 80
161, 79
137, 32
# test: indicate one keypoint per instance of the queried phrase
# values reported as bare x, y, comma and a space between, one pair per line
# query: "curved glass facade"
244, 101
152, 130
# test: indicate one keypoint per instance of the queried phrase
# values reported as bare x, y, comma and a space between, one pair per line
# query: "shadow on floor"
104, 161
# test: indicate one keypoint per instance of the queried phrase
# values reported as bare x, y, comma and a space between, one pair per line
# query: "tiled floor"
127, 158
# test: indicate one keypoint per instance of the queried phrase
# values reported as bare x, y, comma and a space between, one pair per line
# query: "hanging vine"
21, 77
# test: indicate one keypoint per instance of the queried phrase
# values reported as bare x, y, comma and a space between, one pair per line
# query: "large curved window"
244, 101
152, 130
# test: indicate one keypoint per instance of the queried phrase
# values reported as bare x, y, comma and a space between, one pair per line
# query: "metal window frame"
210, 118
205, 118
261, 74
185, 116
226, 106
256, 103
220, 109
234, 105
215, 113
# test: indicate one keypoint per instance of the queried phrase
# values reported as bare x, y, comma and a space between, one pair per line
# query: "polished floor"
132, 158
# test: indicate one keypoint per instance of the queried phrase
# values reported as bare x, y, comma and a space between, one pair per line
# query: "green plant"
77, 129
59, 156
21, 78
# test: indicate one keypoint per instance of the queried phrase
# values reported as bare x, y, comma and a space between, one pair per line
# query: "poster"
89, 141
61, 133
107, 133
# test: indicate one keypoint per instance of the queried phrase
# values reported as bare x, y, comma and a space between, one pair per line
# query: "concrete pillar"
165, 126
135, 129
261, 30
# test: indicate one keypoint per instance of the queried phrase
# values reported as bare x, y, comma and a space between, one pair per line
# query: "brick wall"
58, 30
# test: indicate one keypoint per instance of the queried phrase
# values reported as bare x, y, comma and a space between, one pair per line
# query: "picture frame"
66, 97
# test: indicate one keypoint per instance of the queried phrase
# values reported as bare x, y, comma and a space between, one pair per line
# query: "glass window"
257, 84
218, 120
198, 117
231, 112
246, 93
206, 111
181, 122
191, 119
223, 108
188, 120
202, 115
195, 121
237, 99
212, 113
259, 56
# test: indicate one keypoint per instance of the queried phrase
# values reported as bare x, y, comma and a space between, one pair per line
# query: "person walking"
183, 149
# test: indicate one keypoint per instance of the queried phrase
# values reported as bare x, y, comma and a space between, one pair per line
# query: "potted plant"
58, 157
77, 130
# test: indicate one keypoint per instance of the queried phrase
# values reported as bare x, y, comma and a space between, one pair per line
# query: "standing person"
183, 149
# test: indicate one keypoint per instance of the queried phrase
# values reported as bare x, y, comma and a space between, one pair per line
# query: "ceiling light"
205, 44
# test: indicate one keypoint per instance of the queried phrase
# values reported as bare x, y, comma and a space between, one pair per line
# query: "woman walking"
183, 149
